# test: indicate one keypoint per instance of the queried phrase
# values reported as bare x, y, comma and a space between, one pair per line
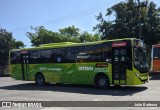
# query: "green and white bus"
100, 63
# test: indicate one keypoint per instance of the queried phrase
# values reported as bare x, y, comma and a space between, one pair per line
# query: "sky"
17, 16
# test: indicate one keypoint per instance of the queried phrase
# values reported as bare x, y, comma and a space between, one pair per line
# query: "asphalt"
14, 90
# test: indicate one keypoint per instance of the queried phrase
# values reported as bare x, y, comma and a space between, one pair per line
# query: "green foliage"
85, 36
43, 36
7, 42
69, 34
129, 19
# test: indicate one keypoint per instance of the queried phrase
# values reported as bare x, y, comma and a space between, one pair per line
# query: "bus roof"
156, 45
69, 44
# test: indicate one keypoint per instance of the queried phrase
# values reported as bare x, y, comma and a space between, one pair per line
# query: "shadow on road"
154, 75
155, 78
81, 89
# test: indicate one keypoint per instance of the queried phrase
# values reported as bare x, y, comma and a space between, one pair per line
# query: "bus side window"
45, 56
58, 55
80, 58
71, 54
106, 52
93, 53
34, 56
15, 57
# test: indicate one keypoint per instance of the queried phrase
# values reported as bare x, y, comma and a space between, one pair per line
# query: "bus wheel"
101, 81
40, 80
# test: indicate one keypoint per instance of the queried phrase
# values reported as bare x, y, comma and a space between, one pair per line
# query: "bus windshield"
156, 52
140, 58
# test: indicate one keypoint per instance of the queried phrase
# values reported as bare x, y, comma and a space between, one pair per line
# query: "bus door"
25, 65
119, 63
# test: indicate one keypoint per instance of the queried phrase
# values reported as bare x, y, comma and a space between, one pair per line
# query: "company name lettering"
88, 68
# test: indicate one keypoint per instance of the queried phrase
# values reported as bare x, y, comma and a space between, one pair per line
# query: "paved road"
13, 90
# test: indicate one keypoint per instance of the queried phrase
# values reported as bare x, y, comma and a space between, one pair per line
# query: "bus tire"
101, 81
39, 79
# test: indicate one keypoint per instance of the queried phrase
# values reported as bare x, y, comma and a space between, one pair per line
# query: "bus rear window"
156, 52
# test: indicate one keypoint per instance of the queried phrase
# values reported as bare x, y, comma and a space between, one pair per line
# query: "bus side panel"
130, 77
59, 73
73, 73
70, 68
109, 73
33, 69
84, 73
15, 70
51, 72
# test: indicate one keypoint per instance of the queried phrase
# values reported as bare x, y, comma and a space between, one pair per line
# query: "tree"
86, 37
71, 33
18, 44
130, 20
151, 26
43, 36
7, 42
68, 34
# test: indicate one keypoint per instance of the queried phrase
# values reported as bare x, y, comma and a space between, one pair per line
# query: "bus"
100, 63
155, 59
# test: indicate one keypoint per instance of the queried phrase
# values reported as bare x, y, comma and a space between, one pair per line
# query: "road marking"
97, 100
